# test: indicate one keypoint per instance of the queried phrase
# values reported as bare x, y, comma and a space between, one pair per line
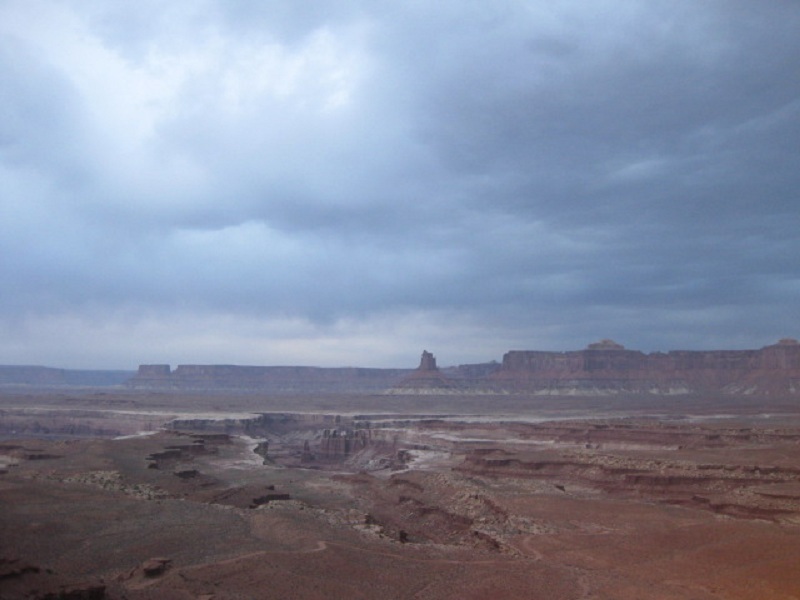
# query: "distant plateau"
602, 368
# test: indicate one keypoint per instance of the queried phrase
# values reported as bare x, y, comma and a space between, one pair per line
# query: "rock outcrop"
604, 367
339, 444
607, 367
427, 378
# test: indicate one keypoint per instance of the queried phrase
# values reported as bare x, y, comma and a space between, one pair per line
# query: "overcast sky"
351, 182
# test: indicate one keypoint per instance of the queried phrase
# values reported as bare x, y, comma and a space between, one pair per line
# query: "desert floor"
141, 495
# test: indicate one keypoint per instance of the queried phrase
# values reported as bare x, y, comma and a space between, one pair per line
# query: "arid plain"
135, 494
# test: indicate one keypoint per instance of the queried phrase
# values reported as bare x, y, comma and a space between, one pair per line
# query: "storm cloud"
351, 182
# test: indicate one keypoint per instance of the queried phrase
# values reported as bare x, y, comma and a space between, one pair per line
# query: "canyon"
600, 474
138, 494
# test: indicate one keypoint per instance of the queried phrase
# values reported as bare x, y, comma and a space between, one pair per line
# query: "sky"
351, 182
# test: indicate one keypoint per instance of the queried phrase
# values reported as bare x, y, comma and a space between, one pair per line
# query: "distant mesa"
426, 378
604, 367
154, 371
427, 362
605, 345
276, 379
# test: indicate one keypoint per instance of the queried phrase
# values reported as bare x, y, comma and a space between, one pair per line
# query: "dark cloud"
348, 183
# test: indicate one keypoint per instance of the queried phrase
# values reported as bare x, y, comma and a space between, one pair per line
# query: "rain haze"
347, 183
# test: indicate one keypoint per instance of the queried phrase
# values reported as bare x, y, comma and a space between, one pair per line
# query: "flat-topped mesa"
151, 376
153, 371
607, 367
783, 355
603, 367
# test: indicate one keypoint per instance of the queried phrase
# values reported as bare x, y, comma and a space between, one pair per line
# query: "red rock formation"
604, 367
151, 376
339, 444
427, 362
608, 367
426, 378
471, 372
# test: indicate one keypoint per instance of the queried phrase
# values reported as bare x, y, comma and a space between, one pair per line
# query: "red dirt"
445, 507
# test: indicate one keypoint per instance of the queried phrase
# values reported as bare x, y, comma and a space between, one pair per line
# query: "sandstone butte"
604, 367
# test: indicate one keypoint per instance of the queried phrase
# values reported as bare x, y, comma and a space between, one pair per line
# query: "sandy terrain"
397, 497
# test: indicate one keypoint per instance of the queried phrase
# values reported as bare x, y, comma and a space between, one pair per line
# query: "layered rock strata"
604, 367
607, 367
275, 379
426, 378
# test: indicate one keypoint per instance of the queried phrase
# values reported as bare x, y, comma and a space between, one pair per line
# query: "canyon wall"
426, 378
604, 367
607, 367
270, 379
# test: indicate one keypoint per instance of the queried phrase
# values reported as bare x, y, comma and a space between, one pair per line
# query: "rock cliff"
339, 444
426, 378
604, 367
607, 367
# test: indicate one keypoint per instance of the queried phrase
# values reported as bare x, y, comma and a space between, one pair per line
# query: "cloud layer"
275, 182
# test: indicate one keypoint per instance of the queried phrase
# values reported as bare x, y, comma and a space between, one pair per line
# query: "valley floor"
131, 495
